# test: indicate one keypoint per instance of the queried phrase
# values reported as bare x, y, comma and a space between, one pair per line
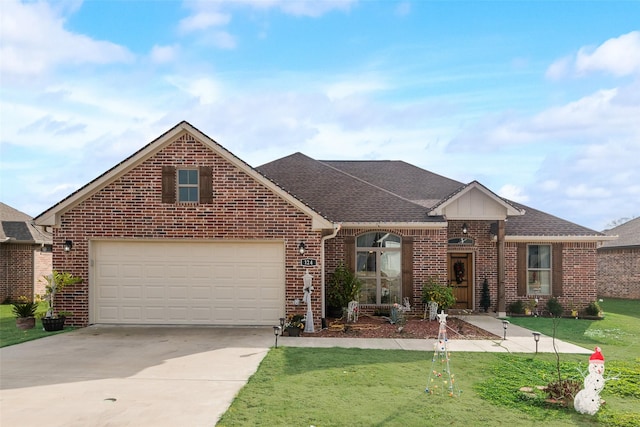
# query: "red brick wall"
619, 273
578, 275
131, 207
430, 259
429, 256
17, 270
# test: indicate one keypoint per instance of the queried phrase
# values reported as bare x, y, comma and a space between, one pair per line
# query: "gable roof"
628, 235
52, 215
391, 192
18, 227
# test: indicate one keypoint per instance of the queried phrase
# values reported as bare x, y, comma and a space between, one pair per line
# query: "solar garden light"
536, 337
277, 330
505, 324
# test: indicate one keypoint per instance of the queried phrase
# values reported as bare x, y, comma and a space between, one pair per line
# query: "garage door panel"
185, 282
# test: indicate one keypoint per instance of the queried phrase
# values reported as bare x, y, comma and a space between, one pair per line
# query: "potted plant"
56, 282
25, 312
442, 295
343, 287
295, 325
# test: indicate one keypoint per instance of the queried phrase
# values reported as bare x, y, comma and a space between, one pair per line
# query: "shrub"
593, 309
441, 294
343, 287
516, 307
554, 307
24, 308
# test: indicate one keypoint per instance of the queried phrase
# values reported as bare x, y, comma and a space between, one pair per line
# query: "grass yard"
10, 334
355, 387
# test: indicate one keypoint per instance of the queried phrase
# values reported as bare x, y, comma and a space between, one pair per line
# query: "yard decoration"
56, 282
587, 401
308, 288
25, 312
441, 380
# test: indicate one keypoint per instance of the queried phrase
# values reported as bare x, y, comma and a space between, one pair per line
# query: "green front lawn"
355, 387
10, 334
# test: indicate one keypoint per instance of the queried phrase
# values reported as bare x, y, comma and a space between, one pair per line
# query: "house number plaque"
308, 262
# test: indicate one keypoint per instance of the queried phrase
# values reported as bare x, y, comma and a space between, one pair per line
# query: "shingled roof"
18, 227
628, 235
391, 191
340, 196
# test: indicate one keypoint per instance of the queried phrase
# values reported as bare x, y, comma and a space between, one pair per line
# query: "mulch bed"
378, 327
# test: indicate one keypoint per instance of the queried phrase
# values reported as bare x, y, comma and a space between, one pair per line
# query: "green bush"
24, 308
554, 307
516, 307
593, 309
441, 294
343, 287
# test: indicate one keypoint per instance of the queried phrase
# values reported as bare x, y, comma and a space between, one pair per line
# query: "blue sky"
539, 101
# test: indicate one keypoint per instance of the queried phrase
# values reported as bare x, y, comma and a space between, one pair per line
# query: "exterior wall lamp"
302, 247
67, 245
465, 229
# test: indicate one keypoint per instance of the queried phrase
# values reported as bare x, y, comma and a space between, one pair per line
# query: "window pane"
539, 256
368, 290
367, 261
368, 240
539, 282
187, 177
188, 194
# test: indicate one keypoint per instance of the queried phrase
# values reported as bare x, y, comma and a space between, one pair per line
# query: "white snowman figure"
587, 401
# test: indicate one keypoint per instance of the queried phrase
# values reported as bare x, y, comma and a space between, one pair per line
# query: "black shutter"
556, 273
522, 269
350, 253
206, 184
168, 184
407, 268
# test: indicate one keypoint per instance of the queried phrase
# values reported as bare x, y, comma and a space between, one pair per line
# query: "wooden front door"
461, 279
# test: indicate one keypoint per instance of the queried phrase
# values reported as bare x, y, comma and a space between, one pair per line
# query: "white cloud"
163, 54
203, 20
514, 193
34, 41
619, 56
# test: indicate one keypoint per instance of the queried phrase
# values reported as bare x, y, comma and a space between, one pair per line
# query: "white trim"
510, 210
383, 225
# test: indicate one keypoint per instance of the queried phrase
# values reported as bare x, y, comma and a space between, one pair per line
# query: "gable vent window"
188, 185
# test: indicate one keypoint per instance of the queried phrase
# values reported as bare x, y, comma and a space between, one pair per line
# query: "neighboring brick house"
184, 232
25, 255
619, 262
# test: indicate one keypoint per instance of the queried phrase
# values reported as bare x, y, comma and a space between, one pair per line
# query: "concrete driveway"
128, 376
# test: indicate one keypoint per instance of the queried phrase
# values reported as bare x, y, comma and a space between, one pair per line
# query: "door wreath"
458, 269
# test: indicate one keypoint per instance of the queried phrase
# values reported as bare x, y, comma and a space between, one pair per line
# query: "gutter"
336, 230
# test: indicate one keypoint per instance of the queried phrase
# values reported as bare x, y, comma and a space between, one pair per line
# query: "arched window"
379, 268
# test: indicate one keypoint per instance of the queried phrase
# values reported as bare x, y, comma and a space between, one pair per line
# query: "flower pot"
293, 332
25, 323
53, 324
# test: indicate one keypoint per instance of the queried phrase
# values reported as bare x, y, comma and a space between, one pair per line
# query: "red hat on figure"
597, 356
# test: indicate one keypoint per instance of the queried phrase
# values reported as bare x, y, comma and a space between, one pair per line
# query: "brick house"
619, 262
185, 232
25, 255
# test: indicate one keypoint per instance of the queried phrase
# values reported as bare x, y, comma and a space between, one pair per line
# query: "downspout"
336, 230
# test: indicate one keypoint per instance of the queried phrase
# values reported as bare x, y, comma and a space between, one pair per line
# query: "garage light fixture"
465, 229
67, 245
302, 247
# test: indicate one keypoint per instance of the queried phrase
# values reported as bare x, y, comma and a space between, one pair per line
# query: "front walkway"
519, 340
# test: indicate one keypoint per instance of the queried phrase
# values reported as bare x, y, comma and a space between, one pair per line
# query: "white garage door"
187, 283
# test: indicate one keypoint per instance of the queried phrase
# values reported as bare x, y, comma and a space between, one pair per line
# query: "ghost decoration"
307, 279
587, 401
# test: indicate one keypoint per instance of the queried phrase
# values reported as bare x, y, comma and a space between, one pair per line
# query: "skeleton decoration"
587, 401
